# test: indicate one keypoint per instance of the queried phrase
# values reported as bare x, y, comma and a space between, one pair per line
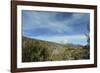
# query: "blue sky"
60, 27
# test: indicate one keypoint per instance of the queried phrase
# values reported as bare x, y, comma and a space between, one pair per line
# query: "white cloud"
47, 20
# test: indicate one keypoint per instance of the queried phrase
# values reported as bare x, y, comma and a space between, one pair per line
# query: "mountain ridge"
70, 45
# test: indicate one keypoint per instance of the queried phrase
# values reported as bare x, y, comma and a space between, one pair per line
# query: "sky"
59, 27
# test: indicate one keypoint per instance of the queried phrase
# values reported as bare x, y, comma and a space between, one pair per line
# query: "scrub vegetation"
34, 50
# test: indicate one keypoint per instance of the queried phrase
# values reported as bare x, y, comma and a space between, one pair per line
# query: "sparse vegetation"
36, 50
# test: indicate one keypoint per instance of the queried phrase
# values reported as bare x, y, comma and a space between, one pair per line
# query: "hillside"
34, 50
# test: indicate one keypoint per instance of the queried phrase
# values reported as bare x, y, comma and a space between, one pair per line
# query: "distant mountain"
68, 45
73, 45
27, 41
